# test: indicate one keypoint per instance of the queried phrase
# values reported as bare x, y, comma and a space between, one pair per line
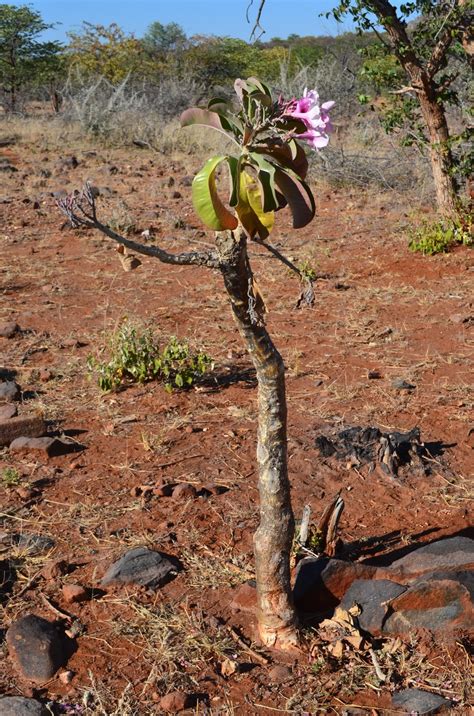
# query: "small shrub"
136, 356
439, 236
10, 477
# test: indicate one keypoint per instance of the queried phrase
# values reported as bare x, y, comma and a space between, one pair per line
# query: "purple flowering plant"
268, 172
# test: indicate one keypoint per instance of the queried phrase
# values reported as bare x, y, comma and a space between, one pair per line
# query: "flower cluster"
314, 116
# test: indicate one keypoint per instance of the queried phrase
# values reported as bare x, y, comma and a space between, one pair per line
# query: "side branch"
80, 208
307, 295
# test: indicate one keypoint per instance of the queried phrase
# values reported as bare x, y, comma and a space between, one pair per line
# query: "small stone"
9, 390
184, 491
374, 375
8, 330
187, 180
142, 566
45, 374
20, 706
25, 493
54, 569
470, 438
45, 447
37, 647
245, 598
372, 597
402, 384
416, 701
31, 544
65, 677
162, 490
7, 411
177, 195
74, 593
279, 673
20, 426
175, 702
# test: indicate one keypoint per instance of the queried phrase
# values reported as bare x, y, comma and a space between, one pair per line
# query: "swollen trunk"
274, 537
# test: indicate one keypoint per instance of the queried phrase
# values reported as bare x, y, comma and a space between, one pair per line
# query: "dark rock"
37, 647
371, 596
187, 180
461, 576
20, 706
31, 544
402, 384
7, 411
320, 584
142, 566
9, 390
438, 606
45, 447
416, 701
7, 577
26, 426
444, 554
8, 330
177, 195
175, 702
245, 598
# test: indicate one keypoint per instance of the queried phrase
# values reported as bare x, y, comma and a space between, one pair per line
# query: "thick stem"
274, 537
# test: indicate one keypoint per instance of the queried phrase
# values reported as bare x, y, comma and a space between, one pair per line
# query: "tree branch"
80, 208
257, 25
307, 294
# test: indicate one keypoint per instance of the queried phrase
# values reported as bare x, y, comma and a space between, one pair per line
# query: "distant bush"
136, 356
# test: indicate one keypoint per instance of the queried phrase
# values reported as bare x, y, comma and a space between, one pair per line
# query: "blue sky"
204, 17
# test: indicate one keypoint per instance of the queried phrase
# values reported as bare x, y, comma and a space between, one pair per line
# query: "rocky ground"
127, 517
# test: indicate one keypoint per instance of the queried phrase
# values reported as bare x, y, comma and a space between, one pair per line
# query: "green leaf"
289, 155
266, 177
206, 201
299, 197
252, 217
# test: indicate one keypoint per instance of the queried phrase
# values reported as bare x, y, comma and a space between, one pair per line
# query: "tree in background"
107, 51
23, 58
422, 53
161, 39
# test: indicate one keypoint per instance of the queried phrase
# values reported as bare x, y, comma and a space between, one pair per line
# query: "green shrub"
136, 356
439, 236
10, 477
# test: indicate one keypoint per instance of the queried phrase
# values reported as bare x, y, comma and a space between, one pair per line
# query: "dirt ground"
378, 308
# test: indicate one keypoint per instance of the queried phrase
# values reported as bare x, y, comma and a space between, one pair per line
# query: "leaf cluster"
137, 357
266, 173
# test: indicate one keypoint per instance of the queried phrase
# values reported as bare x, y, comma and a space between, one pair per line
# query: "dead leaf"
129, 261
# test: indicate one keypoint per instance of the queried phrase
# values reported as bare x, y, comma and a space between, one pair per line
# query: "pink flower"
314, 116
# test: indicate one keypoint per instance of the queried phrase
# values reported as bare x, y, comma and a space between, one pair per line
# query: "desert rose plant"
266, 173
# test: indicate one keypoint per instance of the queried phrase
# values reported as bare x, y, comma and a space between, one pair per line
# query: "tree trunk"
274, 537
440, 153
